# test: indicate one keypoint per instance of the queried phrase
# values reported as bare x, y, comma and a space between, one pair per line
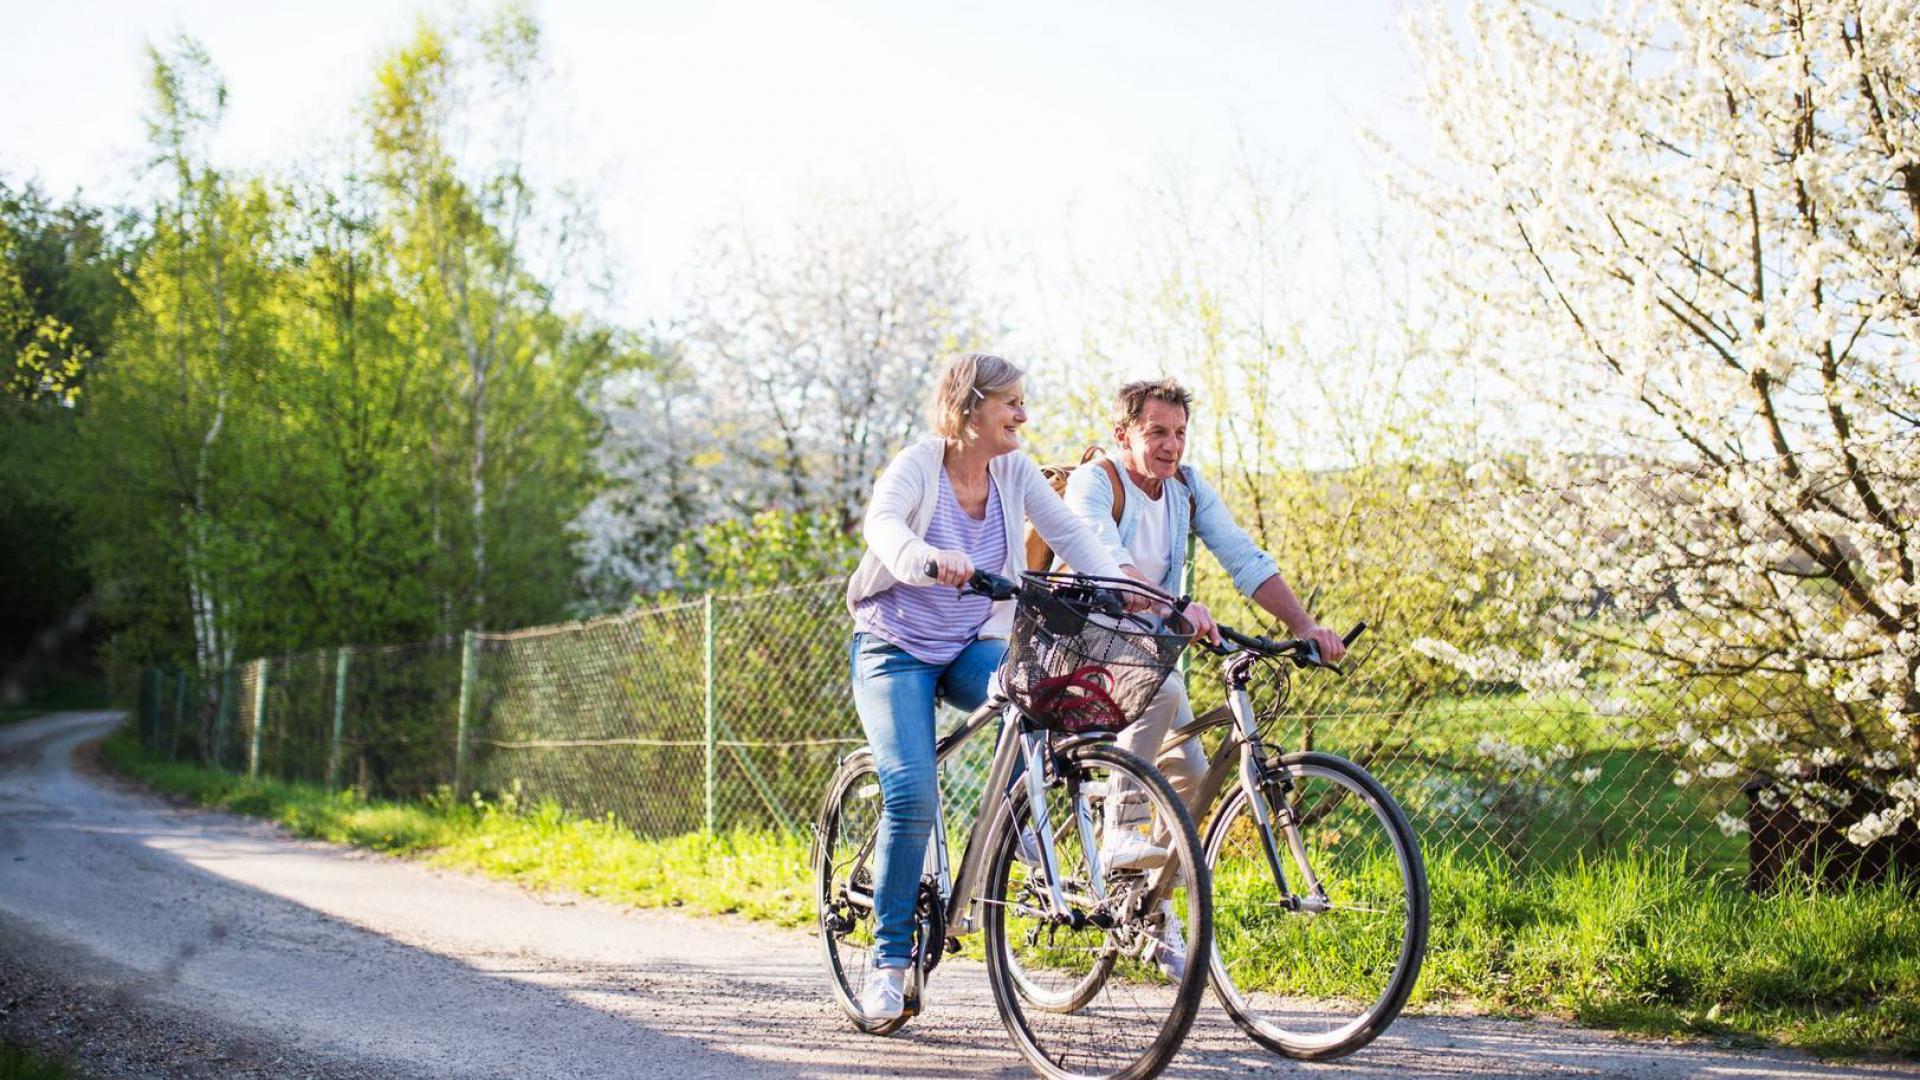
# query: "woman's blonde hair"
963, 384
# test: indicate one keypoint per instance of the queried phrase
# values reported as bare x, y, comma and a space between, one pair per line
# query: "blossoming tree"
1693, 228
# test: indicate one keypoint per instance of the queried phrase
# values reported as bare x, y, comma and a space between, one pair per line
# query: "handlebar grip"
1353, 635
981, 583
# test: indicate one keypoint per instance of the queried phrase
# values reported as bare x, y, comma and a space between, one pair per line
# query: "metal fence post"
222, 716
260, 668
712, 756
339, 716
150, 709
469, 665
179, 717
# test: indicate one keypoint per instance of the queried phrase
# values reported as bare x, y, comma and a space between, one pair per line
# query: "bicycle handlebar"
994, 587
1301, 651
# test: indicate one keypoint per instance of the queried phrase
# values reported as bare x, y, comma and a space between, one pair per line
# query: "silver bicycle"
1075, 951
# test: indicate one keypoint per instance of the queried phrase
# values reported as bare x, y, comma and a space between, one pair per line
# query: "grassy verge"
20, 1063
1642, 942
749, 873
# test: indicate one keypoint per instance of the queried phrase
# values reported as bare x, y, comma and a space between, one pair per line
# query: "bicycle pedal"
910, 994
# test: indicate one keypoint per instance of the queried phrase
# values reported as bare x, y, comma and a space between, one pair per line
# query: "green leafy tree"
60, 291
167, 430
451, 124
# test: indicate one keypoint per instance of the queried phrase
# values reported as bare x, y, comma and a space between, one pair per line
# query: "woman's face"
996, 420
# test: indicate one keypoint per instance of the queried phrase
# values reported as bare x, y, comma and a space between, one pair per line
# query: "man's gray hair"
1131, 400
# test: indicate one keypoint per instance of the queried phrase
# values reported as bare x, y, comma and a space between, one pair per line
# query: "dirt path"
147, 939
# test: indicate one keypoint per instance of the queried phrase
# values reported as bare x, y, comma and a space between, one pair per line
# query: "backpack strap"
1119, 489
1193, 500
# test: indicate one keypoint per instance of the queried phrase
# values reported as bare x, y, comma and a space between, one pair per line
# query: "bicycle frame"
961, 894
1244, 744
1019, 742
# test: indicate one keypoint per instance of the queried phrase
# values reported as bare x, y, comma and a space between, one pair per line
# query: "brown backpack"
1039, 554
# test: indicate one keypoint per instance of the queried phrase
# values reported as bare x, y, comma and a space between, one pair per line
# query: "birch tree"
453, 125
194, 339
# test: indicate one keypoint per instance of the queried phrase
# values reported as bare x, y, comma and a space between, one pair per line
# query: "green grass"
20, 1063
1646, 942
756, 874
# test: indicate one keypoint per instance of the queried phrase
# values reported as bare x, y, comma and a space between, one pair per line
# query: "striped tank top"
934, 623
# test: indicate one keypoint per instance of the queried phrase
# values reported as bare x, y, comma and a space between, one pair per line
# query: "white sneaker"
1127, 849
885, 995
1168, 952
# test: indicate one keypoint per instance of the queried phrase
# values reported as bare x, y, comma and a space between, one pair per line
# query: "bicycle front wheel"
1318, 968
1088, 986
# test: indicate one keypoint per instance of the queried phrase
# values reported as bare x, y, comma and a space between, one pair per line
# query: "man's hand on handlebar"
1329, 643
950, 567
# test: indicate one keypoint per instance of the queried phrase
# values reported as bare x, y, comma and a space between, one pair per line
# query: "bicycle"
1317, 969
1068, 942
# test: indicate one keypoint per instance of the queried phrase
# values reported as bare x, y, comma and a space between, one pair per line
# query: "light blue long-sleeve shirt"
1090, 496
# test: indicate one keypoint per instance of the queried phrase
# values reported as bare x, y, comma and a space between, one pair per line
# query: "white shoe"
1127, 849
1168, 952
885, 995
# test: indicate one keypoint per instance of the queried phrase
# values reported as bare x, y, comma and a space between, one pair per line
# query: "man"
1163, 499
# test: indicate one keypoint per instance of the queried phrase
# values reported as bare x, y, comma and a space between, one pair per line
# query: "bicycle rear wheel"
1317, 974
843, 862
1076, 987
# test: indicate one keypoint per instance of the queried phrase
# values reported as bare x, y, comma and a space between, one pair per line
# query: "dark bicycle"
1320, 898
1071, 945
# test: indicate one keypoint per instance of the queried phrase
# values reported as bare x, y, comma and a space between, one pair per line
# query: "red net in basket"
1079, 701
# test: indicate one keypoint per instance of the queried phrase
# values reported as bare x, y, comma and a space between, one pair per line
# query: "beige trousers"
1184, 766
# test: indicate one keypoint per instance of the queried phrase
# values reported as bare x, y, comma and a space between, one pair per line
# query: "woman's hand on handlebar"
950, 568
1202, 622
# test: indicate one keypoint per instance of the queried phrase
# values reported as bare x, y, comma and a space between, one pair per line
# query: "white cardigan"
903, 504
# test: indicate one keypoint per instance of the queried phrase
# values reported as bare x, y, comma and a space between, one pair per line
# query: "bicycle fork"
1268, 787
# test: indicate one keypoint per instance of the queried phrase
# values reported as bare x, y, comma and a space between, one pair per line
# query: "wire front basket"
1088, 654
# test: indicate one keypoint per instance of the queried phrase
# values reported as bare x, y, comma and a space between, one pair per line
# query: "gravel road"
143, 939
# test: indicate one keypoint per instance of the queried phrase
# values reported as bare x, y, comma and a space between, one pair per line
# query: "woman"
959, 500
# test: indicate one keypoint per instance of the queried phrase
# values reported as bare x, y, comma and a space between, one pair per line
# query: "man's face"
1154, 444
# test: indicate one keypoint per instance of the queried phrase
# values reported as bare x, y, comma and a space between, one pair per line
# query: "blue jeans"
894, 694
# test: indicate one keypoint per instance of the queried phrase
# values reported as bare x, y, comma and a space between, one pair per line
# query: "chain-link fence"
1564, 659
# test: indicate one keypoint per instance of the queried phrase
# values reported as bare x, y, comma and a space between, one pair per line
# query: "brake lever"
1308, 656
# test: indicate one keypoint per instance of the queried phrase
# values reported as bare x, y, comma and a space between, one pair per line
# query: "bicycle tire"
1036, 1032
853, 792
1289, 950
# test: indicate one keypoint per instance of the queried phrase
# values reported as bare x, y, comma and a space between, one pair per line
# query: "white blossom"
1671, 213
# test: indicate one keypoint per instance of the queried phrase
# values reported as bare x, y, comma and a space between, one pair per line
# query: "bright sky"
1018, 116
